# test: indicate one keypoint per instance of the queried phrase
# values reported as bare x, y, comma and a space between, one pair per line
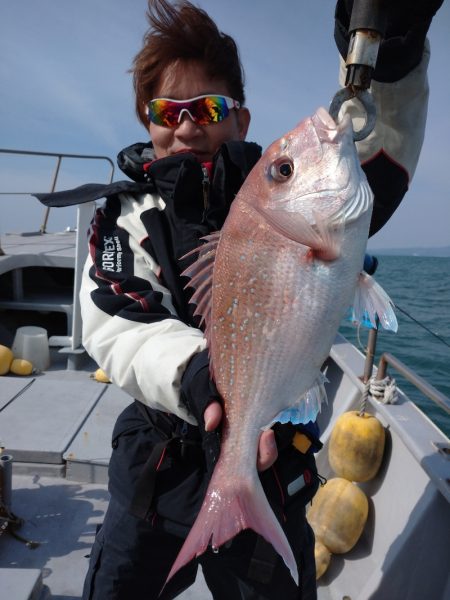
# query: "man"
139, 326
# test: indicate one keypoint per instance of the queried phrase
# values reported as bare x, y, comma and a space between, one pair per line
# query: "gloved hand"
401, 49
200, 395
197, 393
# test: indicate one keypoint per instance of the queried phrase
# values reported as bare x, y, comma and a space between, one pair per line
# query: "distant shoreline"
439, 252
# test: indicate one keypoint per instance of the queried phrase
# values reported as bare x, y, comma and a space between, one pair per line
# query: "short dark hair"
183, 32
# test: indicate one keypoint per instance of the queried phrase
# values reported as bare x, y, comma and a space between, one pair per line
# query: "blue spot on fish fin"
307, 407
372, 305
201, 274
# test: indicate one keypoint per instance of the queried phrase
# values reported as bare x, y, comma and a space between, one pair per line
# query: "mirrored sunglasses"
203, 110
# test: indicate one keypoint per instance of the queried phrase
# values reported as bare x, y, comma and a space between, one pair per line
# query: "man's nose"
185, 115
186, 125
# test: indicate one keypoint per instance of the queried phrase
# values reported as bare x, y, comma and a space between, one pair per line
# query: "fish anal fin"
307, 407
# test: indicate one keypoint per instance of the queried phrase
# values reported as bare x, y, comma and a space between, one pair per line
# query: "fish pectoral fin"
372, 304
307, 407
330, 236
323, 237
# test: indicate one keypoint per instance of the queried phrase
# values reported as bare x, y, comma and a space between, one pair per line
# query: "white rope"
384, 390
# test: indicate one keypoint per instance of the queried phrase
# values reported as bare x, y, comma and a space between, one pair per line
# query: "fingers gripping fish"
272, 287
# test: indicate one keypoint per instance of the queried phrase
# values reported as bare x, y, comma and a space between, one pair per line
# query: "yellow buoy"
322, 557
100, 376
6, 358
356, 446
338, 514
20, 366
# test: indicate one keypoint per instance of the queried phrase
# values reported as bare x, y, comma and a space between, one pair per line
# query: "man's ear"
243, 116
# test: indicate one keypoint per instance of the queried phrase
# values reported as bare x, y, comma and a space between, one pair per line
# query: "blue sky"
64, 87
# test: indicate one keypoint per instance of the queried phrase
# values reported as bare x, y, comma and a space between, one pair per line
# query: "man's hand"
407, 23
267, 450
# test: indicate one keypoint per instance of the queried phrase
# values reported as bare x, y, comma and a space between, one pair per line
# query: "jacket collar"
172, 177
140, 164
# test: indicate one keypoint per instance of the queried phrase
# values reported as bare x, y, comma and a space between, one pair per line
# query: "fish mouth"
324, 116
328, 130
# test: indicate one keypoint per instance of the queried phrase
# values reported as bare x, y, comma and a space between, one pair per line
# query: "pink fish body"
273, 286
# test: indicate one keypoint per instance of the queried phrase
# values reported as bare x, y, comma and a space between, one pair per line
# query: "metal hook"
366, 99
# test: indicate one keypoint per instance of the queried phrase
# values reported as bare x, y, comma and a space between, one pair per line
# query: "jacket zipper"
205, 188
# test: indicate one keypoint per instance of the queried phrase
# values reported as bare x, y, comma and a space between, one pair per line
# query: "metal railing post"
43, 227
426, 388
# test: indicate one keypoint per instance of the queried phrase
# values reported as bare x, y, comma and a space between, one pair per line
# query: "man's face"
185, 80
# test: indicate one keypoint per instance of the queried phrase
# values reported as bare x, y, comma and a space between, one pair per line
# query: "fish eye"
282, 169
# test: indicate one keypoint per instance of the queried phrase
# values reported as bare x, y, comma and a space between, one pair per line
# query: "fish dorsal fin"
371, 303
307, 407
201, 275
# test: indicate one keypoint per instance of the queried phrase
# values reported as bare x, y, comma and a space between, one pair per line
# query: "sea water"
420, 286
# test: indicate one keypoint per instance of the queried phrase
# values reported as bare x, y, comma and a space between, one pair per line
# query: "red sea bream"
273, 286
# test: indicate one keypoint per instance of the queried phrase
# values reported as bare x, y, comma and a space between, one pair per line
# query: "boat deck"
37, 249
57, 426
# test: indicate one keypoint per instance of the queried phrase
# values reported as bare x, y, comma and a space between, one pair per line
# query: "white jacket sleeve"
390, 153
130, 326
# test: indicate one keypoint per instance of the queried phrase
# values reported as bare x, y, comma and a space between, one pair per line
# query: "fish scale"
257, 321
263, 362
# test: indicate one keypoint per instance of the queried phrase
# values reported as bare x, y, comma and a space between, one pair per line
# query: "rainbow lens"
211, 109
203, 110
163, 112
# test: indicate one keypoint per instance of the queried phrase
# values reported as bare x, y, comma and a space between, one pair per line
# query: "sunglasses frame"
229, 102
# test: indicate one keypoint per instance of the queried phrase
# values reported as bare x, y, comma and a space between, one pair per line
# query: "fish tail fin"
225, 512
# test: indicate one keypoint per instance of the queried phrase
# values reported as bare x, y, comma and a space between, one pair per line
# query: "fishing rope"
364, 398
384, 390
422, 325
441, 339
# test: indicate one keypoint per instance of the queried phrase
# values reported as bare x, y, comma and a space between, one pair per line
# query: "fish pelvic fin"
372, 304
225, 512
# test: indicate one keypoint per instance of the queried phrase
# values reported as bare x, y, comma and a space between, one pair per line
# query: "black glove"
197, 392
407, 23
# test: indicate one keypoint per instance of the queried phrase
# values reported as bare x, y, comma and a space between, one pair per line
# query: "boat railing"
58, 156
389, 359
426, 388
71, 342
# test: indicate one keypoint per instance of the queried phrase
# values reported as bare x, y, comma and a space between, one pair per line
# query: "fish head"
311, 174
